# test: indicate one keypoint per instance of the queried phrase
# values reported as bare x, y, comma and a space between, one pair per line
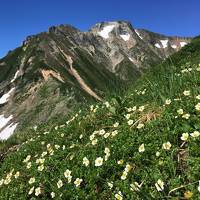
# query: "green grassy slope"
144, 145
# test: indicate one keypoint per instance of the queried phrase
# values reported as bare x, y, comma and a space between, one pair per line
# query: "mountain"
55, 71
142, 145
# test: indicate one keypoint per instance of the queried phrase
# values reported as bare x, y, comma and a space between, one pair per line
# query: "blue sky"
20, 18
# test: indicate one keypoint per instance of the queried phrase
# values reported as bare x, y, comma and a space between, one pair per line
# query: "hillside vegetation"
144, 145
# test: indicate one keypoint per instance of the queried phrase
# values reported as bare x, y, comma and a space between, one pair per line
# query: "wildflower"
124, 175
98, 161
139, 126
129, 109
57, 146
157, 153
107, 104
128, 168
27, 158
166, 145
141, 108
119, 196
135, 186
62, 135
17, 174
86, 162
186, 116
188, 194
92, 137
40, 161
53, 195
198, 97
94, 142
106, 135
115, 125
141, 148
197, 107
110, 185
78, 181
107, 150
7, 180
128, 116
199, 187
114, 133
184, 136
130, 122
186, 93
1, 182
31, 190
195, 134
159, 185
41, 168
67, 173
31, 180
37, 191
59, 184
180, 111
120, 162
168, 101
81, 136
102, 132
44, 154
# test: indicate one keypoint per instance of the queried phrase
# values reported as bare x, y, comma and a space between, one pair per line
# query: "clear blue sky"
20, 18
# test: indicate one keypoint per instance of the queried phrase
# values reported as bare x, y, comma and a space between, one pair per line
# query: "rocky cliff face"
54, 71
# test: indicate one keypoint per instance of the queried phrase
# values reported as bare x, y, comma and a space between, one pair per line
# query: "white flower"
128, 116
180, 111
31, 180
199, 187
53, 195
168, 101
114, 133
195, 134
159, 185
184, 136
44, 154
135, 186
141, 108
166, 145
124, 175
186, 93
115, 125
102, 132
31, 190
186, 116
27, 158
119, 196
198, 97
41, 168
57, 146
1, 182
141, 148
59, 184
92, 137
139, 126
120, 162
107, 104
130, 122
81, 136
37, 191
78, 181
197, 107
86, 162
110, 185
157, 153
107, 150
40, 161
94, 142
17, 174
67, 173
98, 161
128, 168
106, 135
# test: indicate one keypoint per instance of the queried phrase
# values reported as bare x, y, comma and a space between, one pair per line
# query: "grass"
143, 145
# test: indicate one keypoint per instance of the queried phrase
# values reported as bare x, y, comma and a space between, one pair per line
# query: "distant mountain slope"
54, 71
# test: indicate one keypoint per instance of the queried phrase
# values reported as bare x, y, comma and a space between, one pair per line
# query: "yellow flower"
78, 181
31, 180
141, 148
86, 162
159, 185
184, 136
188, 194
197, 107
166, 145
37, 191
98, 161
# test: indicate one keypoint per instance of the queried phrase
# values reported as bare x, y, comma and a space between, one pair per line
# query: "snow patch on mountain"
137, 32
16, 74
8, 131
173, 46
4, 120
183, 44
164, 43
106, 30
6, 96
157, 45
125, 37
